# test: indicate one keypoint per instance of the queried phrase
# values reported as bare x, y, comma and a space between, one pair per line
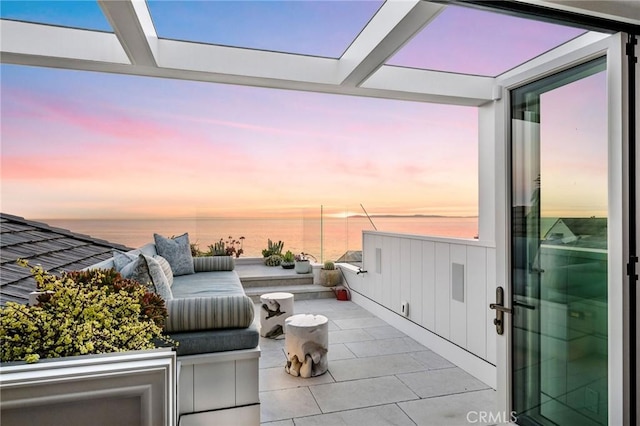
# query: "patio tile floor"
377, 376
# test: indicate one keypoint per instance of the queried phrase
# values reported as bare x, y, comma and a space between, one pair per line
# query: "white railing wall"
448, 284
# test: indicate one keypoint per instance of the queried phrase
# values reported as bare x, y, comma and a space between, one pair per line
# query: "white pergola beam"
46, 41
577, 43
132, 24
395, 23
56, 47
135, 49
239, 62
474, 89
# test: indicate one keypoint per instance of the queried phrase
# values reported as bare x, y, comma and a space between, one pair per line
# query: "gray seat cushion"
202, 342
219, 283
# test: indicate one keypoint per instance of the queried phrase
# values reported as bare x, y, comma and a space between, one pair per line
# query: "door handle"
500, 309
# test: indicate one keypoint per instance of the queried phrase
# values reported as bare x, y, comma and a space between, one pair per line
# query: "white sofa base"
240, 416
217, 386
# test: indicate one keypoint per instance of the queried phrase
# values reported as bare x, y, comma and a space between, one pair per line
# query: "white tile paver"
382, 415
453, 410
386, 332
384, 347
279, 423
361, 393
339, 351
272, 358
351, 323
431, 360
286, 404
345, 336
362, 368
427, 384
276, 378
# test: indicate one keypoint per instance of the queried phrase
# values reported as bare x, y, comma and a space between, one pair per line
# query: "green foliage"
329, 265
230, 247
218, 249
288, 257
273, 248
81, 312
273, 260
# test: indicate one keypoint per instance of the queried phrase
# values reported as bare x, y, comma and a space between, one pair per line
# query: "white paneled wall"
418, 269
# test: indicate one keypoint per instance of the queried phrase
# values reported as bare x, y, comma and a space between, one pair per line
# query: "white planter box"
136, 387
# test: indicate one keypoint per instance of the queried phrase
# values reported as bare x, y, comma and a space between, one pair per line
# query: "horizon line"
258, 217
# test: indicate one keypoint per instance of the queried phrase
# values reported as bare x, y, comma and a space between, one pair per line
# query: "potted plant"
302, 263
329, 275
273, 253
288, 260
231, 247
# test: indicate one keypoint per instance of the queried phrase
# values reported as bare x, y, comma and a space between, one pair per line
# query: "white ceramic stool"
306, 343
276, 307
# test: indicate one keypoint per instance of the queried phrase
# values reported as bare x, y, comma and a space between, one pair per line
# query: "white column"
486, 172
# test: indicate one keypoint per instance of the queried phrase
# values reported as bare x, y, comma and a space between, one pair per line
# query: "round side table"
276, 307
306, 343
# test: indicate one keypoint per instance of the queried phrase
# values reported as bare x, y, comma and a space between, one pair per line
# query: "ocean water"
298, 235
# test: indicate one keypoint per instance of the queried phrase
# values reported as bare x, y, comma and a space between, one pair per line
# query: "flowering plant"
230, 247
82, 312
304, 256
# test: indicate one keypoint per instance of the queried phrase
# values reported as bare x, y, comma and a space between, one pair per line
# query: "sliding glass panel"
559, 248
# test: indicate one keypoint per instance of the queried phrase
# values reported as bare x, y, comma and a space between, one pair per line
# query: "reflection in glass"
559, 248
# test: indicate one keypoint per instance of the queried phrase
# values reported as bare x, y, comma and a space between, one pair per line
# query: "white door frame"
581, 50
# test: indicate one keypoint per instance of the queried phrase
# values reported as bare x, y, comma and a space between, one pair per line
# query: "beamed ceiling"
135, 48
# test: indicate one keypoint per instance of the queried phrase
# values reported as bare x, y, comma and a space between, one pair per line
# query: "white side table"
276, 307
306, 343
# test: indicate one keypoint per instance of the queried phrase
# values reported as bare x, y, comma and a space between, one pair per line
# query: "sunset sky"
93, 145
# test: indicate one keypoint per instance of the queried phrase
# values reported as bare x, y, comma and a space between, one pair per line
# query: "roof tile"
55, 249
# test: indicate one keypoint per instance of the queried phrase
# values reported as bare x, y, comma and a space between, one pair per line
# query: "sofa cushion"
121, 259
213, 263
202, 342
177, 251
205, 284
148, 272
166, 268
209, 313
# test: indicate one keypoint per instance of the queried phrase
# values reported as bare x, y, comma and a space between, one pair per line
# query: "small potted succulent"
302, 263
288, 260
273, 253
329, 275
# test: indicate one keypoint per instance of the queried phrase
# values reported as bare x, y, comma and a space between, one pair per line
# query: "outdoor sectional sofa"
212, 319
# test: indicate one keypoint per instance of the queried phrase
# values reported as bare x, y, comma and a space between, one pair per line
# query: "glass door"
559, 248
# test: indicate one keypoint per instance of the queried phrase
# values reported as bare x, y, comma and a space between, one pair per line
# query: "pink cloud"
108, 122
105, 152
